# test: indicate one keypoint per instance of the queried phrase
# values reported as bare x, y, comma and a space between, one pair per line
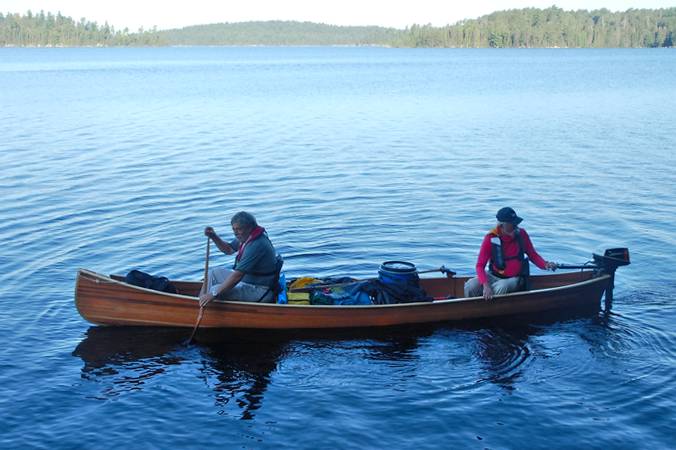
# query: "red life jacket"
499, 260
255, 234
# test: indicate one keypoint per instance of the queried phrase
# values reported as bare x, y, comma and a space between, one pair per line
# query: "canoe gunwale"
100, 278
104, 279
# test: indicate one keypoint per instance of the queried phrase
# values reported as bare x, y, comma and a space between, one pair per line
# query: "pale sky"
390, 13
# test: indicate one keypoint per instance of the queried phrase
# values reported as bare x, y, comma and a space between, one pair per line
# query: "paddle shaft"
206, 262
579, 266
206, 285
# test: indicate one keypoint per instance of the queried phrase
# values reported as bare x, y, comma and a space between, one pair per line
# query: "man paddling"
254, 271
504, 248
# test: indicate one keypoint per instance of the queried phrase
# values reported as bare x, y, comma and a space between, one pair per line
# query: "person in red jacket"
504, 248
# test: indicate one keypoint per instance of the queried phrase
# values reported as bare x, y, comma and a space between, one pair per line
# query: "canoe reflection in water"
242, 372
505, 347
131, 355
125, 359
239, 368
501, 353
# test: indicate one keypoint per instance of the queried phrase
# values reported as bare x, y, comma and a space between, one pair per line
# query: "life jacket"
274, 286
498, 260
257, 232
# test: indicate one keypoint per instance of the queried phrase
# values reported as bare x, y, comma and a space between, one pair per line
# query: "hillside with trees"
279, 33
518, 28
552, 27
49, 30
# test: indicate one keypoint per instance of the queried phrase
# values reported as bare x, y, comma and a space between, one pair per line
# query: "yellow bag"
303, 281
300, 298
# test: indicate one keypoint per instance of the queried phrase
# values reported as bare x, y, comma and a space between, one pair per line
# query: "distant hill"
279, 33
517, 28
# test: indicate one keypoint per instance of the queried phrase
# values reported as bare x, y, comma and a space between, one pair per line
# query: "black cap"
507, 214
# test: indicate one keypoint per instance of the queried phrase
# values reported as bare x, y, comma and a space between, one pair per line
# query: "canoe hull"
105, 301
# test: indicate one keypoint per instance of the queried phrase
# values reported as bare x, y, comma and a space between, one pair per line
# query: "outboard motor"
607, 263
612, 259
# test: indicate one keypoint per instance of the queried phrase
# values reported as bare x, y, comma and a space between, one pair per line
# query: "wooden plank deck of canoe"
105, 300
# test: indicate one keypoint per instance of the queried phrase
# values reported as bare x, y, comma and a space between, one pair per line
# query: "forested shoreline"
553, 27
518, 28
55, 30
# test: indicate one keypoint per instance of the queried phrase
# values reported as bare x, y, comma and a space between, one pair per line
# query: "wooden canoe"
108, 300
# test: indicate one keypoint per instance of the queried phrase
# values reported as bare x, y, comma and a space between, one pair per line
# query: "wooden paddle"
313, 287
205, 285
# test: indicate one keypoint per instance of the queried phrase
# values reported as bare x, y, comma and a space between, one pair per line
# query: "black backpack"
145, 280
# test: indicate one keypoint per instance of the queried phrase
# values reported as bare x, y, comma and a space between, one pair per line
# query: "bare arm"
535, 256
220, 243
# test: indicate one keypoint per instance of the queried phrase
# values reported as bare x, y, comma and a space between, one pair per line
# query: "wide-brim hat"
507, 214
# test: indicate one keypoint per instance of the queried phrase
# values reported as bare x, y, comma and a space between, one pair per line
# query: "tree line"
552, 27
49, 30
280, 33
517, 28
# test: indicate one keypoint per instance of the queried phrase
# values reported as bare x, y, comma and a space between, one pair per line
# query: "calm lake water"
113, 159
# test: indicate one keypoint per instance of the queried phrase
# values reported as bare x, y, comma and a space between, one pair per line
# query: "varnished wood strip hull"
102, 300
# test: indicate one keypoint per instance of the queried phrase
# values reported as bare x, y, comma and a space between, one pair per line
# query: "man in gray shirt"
252, 275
